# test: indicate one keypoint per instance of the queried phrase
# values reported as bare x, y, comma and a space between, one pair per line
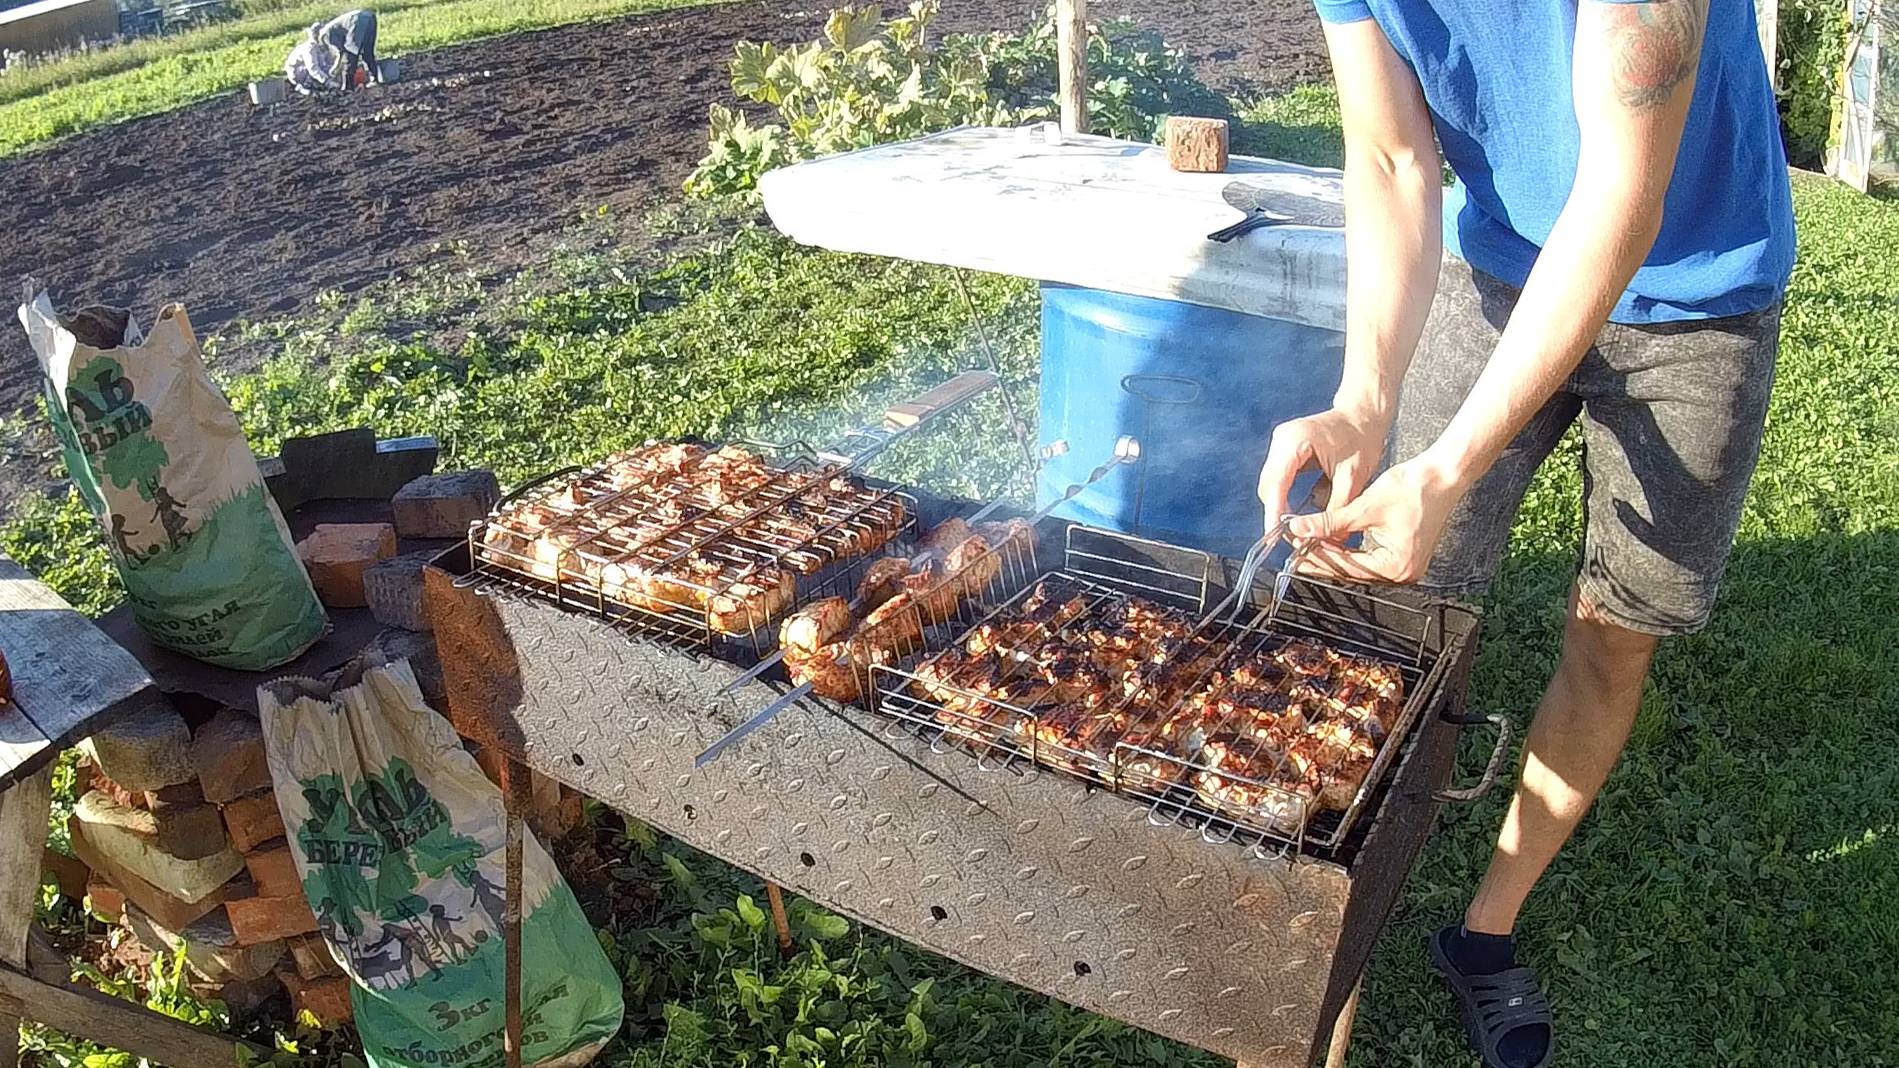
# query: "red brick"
161, 906
253, 820
338, 554
107, 901
69, 873
313, 958
266, 919
275, 872
228, 752
327, 999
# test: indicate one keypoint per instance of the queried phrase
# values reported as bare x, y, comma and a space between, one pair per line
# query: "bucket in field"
390, 70
268, 91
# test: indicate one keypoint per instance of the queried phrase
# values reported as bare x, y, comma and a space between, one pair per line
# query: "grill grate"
1150, 746
691, 546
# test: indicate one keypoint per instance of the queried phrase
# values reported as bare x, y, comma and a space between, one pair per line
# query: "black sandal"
1496, 1005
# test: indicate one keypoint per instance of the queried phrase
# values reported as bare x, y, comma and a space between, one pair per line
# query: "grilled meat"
676, 528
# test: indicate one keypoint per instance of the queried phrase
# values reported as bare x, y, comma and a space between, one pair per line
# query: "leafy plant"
1810, 45
865, 83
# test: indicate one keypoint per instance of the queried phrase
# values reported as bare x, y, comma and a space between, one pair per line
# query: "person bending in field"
1620, 236
352, 36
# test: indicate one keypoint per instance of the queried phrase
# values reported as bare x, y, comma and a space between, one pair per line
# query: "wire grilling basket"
1275, 723
689, 545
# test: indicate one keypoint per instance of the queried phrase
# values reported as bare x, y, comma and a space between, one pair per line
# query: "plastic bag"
153, 447
399, 840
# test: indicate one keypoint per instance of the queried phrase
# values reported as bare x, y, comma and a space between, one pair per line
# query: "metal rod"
758, 720
779, 920
1017, 427
514, 777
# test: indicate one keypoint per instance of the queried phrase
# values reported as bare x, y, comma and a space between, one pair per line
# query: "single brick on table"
442, 506
338, 555
228, 752
393, 589
253, 820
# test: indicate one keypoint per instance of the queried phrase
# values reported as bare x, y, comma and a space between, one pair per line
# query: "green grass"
49, 100
1730, 902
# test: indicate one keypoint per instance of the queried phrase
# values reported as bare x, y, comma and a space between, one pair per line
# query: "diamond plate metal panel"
1021, 873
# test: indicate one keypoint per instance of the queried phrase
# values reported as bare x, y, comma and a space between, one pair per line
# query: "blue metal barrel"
1202, 388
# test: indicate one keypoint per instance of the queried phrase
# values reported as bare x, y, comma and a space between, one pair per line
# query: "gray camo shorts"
1671, 418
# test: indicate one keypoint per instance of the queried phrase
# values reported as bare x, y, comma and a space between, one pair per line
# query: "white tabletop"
1090, 211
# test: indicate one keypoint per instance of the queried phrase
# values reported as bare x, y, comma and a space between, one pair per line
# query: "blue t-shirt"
1496, 75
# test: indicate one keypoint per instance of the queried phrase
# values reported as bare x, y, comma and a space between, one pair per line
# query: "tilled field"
242, 211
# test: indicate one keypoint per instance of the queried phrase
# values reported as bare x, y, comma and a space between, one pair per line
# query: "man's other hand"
1345, 444
1399, 520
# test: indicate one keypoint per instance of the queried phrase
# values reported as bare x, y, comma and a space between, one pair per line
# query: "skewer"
1127, 450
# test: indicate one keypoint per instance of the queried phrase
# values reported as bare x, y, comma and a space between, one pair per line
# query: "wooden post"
1071, 32
23, 811
1342, 1028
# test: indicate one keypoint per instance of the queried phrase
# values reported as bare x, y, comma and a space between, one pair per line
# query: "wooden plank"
69, 679
22, 745
118, 1024
23, 810
1071, 31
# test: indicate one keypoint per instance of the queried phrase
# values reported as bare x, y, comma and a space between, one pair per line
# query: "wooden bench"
69, 681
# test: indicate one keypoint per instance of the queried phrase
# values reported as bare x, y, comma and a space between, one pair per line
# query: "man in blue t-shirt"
1604, 267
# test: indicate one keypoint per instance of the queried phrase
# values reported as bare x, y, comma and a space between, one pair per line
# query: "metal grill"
702, 549
1153, 748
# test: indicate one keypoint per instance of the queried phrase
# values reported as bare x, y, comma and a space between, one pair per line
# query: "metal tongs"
1236, 600
1127, 450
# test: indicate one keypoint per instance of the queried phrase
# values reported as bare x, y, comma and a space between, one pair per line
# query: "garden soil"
243, 212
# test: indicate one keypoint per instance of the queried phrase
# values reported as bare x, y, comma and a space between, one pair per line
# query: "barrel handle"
1137, 385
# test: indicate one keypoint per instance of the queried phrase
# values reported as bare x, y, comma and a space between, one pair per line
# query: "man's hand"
1346, 445
1399, 519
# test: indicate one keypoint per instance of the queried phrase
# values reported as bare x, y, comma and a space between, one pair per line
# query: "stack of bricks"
179, 831
179, 834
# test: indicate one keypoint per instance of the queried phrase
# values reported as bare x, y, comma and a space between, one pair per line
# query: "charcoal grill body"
1021, 873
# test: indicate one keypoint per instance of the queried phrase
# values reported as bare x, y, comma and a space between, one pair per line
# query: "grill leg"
778, 918
514, 796
1342, 1029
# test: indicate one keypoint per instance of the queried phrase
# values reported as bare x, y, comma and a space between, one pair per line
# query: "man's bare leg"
1581, 726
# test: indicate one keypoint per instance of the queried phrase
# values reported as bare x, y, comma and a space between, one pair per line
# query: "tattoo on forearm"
1654, 47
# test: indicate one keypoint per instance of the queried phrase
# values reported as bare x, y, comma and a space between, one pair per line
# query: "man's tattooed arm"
1655, 46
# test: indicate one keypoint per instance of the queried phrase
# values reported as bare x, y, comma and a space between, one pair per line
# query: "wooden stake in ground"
1071, 31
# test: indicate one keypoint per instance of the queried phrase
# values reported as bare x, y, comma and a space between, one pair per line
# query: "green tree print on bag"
158, 456
399, 840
